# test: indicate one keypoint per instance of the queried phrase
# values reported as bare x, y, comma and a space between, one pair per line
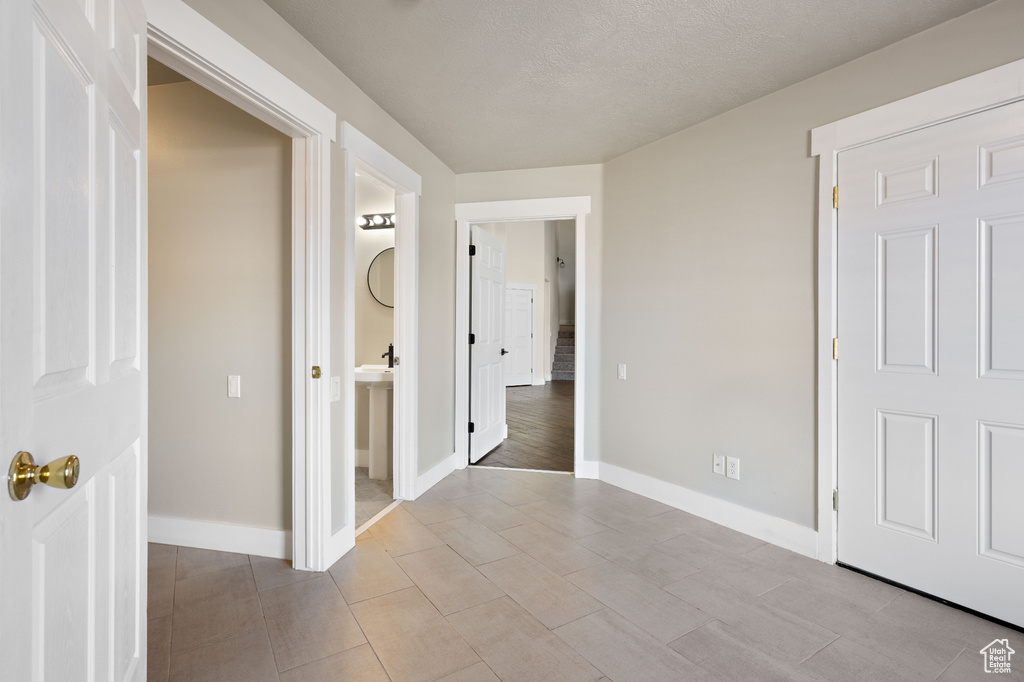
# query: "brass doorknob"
23, 474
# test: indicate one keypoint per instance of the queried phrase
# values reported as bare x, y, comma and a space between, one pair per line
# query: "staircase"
564, 368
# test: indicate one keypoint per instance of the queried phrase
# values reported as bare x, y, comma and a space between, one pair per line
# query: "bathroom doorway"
374, 347
375, 181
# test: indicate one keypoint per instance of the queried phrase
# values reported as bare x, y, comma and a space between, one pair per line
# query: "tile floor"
510, 575
372, 496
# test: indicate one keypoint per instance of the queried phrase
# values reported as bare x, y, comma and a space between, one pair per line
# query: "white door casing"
519, 333
72, 337
931, 371
487, 321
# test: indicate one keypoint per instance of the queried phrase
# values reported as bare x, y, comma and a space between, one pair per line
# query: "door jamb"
971, 95
363, 154
181, 38
521, 210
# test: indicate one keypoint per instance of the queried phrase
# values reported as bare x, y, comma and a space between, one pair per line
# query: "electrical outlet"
732, 467
719, 464
335, 389
622, 371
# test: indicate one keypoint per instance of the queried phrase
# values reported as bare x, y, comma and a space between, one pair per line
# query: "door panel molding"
987, 90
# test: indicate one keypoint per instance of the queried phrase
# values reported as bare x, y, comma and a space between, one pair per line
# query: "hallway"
540, 428
504, 575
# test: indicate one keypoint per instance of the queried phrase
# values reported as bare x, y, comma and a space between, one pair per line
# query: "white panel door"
72, 365
487, 318
931, 364
519, 318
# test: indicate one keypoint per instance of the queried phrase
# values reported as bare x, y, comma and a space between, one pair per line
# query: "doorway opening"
374, 348
475, 215
537, 348
183, 40
220, 316
375, 180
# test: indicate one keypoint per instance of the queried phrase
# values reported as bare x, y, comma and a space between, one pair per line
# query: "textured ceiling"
504, 84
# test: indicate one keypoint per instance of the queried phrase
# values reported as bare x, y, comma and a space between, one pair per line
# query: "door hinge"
471, 427
835, 348
472, 249
835, 196
835, 500
472, 339
316, 371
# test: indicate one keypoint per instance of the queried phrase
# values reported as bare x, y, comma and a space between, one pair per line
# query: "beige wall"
262, 30
565, 181
709, 274
565, 233
219, 283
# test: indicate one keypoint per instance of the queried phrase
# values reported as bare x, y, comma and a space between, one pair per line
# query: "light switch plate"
622, 371
732, 467
234, 386
719, 464
335, 389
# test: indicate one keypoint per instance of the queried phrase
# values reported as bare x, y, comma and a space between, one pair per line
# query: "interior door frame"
987, 90
184, 40
520, 210
532, 288
369, 158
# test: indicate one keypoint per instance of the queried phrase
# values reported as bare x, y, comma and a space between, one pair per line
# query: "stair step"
563, 376
563, 366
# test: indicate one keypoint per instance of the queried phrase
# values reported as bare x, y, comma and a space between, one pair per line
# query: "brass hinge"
835, 348
835, 196
835, 500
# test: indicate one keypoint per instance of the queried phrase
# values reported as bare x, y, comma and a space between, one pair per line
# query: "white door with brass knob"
72, 339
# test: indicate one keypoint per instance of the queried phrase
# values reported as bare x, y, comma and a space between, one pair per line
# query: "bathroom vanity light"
376, 221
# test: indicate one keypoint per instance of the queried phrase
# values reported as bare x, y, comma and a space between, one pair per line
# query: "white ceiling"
503, 84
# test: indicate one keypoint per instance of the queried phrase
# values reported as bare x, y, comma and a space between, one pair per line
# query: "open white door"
519, 319
72, 325
931, 360
487, 318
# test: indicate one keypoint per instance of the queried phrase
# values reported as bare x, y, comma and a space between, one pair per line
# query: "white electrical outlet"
732, 467
622, 371
234, 386
719, 464
335, 389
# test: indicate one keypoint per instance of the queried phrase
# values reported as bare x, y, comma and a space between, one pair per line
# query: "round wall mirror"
381, 277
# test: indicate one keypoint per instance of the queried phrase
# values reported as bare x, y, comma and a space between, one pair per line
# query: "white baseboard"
588, 470
785, 534
363, 458
538, 382
547, 378
223, 537
425, 482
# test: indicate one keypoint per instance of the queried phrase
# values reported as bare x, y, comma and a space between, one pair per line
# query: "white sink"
379, 380
373, 374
